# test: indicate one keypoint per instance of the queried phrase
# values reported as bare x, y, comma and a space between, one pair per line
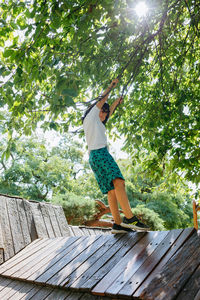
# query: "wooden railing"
196, 208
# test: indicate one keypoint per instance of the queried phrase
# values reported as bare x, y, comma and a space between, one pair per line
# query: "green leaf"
7, 153
53, 125
70, 92
68, 101
61, 84
2, 70
8, 52
2, 117
42, 117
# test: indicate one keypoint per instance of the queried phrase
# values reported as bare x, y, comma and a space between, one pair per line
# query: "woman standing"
106, 170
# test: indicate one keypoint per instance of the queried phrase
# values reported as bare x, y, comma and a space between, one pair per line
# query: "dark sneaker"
134, 223
119, 229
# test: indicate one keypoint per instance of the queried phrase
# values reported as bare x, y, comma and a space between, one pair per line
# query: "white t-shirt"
94, 130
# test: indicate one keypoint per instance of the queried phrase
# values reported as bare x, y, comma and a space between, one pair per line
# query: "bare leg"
122, 198
112, 201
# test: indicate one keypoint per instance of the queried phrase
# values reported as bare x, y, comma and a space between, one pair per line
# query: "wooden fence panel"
47, 220
6, 230
16, 230
39, 221
23, 221
30, 220
62, 221
54, 221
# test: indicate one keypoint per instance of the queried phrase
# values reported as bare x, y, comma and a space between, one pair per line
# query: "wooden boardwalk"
26, 221
42, 257
85, 230
18, 290
21, 222
115, 266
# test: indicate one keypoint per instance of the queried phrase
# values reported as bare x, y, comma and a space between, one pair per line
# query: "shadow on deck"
47, 262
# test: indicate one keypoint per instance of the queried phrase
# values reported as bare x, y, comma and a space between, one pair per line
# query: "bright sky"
52, 137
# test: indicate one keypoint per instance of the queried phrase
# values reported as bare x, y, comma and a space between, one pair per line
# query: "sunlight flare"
141, 9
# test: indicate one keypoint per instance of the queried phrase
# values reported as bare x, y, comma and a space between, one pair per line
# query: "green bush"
77, 209
149, 217
169, 207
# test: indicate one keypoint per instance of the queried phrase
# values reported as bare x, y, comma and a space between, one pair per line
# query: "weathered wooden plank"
1, 246
29, 250
130, 265
74, 296
1, 236
22, 290
186, 233
99, 231
192, 287
54, 221
9, 290
15, 290
43, 293
54, 254
16, 230
3, 283
30, 220
92, 231
2, 259
62, 221
152, 260
103, 244
197, 297
23, 221
106, 231
111, 258
58, 294
134, 256
31, 293
77, 231
47, 221
43, 265
105, 254
26, 265
85, 231
69, 263
39, 221
87, 296
6, 230
176, 272
71, 230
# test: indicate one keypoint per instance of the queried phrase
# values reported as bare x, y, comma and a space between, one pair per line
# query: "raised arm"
106, 93
114, 105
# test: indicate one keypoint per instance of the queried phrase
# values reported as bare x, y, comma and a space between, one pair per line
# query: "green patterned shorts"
105, 169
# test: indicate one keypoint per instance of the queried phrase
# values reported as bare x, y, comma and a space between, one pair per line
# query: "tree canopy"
58, 55
61, 175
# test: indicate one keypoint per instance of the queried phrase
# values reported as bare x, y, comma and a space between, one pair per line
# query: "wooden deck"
42, 257
18, 290
26, 221
85, 230
22, 221
115, 266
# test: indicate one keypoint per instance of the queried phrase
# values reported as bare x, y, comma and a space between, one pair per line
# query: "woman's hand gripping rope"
104, 97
